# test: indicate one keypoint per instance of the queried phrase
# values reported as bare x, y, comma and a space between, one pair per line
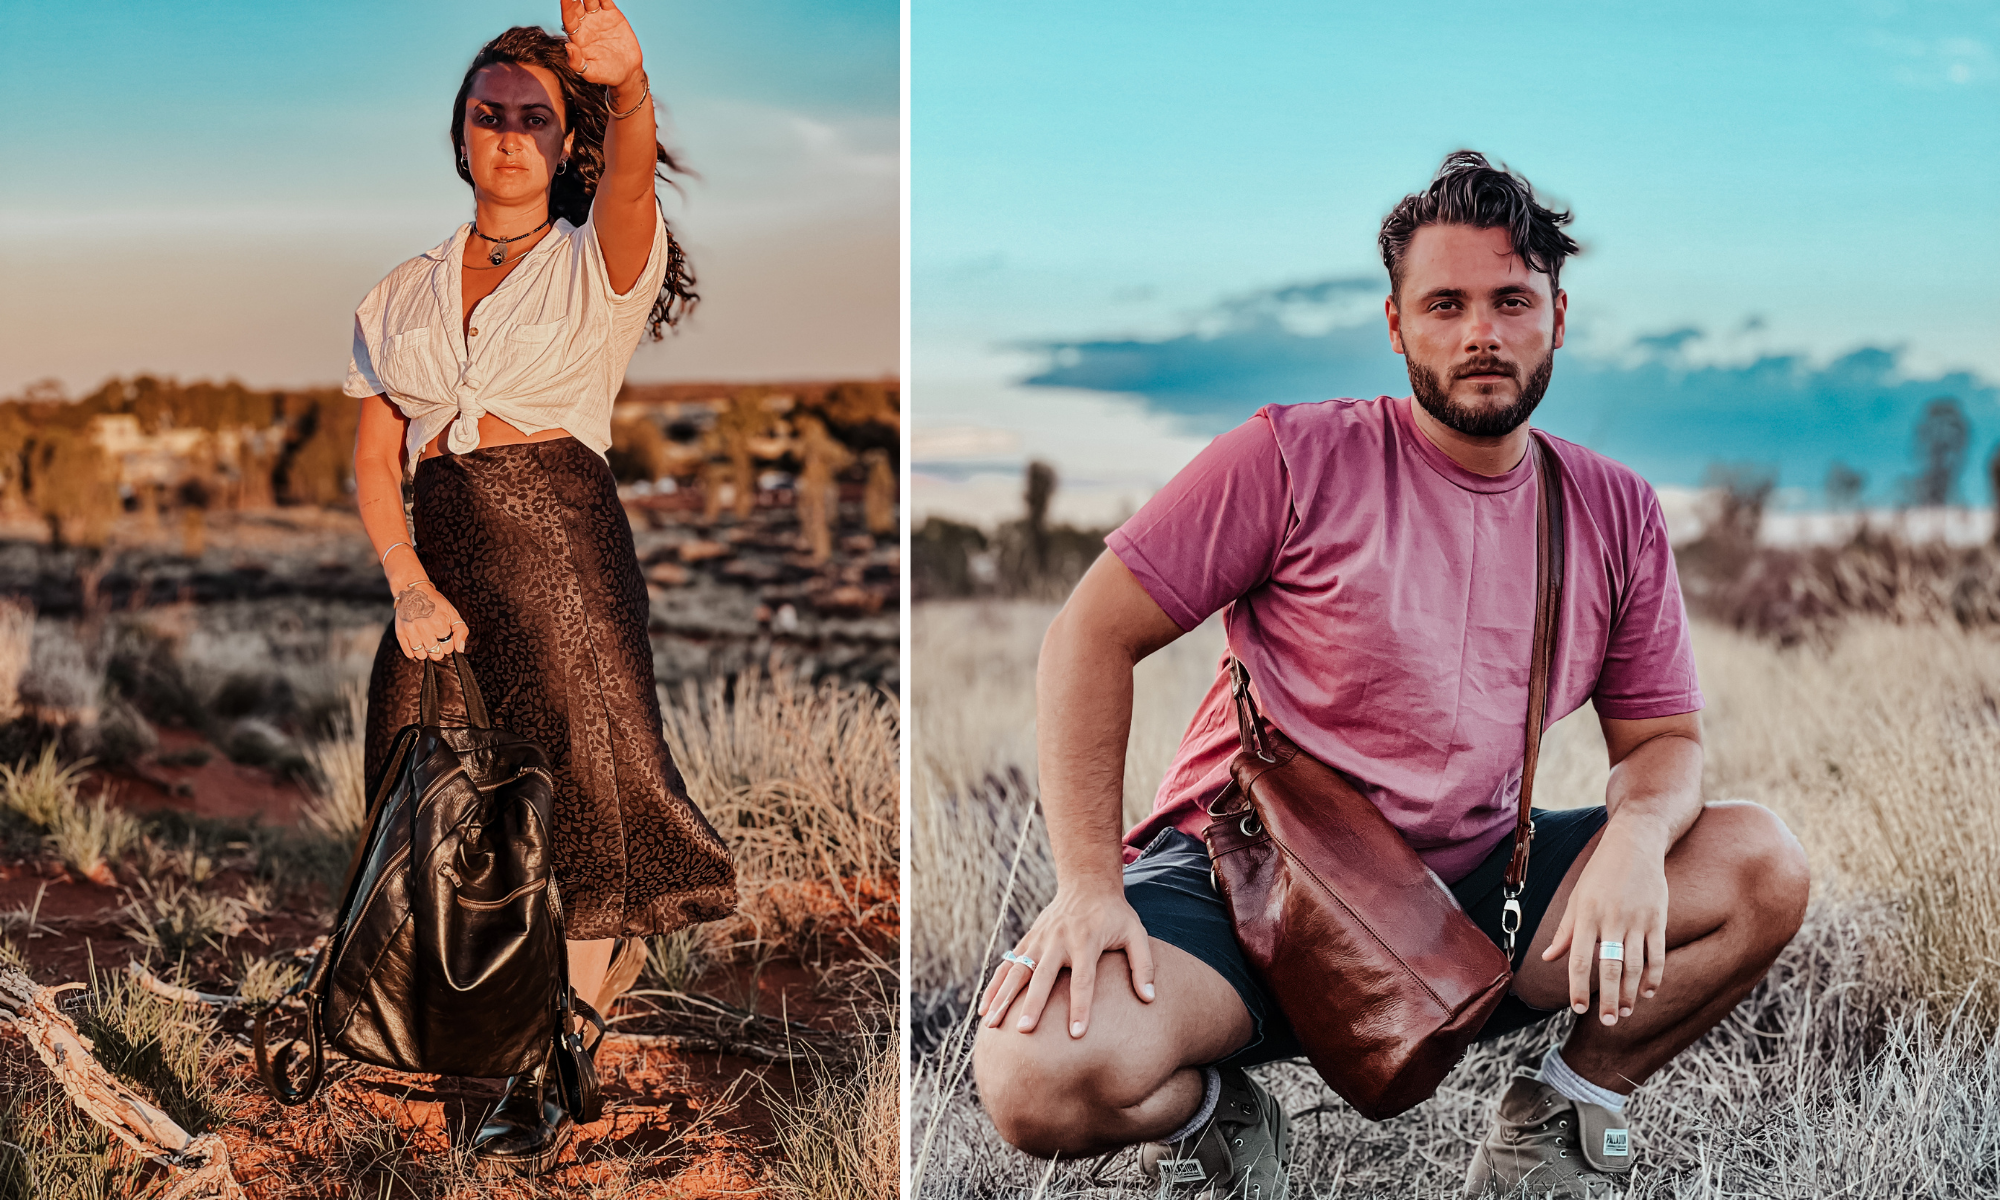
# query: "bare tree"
1942, 436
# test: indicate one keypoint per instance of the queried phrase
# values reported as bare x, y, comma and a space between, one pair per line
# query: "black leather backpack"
448, 955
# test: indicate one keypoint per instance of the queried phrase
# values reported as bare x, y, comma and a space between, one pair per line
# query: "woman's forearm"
630, 146
378, 490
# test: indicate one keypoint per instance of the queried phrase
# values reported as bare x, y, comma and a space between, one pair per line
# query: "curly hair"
586, 112
1468, 190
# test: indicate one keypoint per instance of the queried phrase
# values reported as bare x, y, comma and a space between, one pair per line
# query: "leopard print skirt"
531, 545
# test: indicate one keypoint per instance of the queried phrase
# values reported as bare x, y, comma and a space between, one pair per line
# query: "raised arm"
1083, 718
603, 48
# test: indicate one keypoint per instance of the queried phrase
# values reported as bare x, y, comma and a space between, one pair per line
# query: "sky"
1134, 224
207, 189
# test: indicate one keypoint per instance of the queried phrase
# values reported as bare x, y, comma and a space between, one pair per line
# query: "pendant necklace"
500, 245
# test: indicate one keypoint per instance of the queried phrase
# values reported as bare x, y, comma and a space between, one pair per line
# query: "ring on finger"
1023, 959
1611, 951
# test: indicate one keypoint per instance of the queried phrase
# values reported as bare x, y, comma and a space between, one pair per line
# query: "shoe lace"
1554, 1133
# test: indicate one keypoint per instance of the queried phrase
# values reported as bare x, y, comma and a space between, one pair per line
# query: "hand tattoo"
413, 605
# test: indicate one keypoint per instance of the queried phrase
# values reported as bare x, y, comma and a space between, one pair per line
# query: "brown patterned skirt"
531, 545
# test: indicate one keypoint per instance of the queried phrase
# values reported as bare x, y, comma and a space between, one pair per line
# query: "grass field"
755, 1056
1864, 1065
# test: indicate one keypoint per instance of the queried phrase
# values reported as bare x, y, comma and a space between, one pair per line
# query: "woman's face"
514, 131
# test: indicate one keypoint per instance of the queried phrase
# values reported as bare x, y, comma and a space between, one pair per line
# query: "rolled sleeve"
1213, 533
1649, 668
362, 381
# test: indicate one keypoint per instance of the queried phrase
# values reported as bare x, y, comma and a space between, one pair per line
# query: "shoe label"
1182, 1170
1617, 1143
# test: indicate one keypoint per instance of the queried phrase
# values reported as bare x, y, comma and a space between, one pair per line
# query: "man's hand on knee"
1077, 928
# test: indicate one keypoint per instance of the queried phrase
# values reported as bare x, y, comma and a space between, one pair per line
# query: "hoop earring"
562, 166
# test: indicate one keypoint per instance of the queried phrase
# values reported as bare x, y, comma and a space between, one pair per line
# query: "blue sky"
209, 188
1108, 199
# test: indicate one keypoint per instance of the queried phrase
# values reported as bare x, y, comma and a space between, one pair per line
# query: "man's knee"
1772, 878
1047, 1092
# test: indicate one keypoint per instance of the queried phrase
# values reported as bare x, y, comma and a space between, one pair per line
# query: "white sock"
1211, 1091
1558, 1075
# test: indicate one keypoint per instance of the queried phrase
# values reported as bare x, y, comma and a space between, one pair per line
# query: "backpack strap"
313, 986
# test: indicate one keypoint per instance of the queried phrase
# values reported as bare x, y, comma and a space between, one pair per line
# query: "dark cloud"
1650, 409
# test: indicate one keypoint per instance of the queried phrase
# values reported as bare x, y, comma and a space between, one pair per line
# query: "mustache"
1487, 366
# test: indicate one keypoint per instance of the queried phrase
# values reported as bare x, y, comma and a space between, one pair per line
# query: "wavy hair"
1468, 190
586, 113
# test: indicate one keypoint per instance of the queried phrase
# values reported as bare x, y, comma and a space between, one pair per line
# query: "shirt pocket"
407, 360
533, 348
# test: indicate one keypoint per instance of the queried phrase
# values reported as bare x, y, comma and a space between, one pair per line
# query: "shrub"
90, 837
40, 793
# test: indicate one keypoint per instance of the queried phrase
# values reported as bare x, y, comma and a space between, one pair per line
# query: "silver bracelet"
385, 554
619, 116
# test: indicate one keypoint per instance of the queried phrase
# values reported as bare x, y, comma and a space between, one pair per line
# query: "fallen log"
200, 1164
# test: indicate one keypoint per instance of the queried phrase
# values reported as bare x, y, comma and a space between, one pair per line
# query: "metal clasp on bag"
1510, 917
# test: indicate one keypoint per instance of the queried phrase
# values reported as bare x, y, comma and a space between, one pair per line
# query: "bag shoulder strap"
1549, 544
1549, 559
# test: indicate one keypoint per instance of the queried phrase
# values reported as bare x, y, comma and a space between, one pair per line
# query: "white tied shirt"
548, 349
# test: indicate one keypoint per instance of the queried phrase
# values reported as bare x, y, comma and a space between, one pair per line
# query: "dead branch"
201, 1164
160, 987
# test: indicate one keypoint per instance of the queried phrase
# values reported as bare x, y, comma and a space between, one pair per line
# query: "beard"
1437, 399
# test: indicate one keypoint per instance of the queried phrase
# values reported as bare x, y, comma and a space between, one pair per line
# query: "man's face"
1479, 329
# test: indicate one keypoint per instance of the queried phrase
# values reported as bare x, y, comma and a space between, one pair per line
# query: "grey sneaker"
1546, 1145
1243, 1153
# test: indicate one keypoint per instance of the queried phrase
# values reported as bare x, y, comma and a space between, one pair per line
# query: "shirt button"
474, 331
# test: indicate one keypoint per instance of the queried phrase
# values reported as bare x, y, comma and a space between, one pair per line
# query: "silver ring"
1611, 951
1023, 959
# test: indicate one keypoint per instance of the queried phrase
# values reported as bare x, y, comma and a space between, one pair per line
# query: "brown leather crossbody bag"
1382, 975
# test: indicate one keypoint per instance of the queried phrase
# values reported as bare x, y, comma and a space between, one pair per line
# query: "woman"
486, 370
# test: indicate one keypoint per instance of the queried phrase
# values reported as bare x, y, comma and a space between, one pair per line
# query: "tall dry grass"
800, 779
1879, 749
336, 803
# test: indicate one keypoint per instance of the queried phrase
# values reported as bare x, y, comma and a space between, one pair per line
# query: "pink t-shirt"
1383, 598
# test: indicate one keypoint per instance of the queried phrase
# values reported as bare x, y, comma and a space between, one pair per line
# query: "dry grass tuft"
1882, 753
17, 645
176, 920
840, 1138
800, 780
40, 791
90, 837
336, 803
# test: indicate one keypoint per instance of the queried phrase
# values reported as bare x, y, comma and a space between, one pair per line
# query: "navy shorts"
1168, 885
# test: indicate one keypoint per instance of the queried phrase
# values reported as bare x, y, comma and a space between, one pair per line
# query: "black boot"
527, 1129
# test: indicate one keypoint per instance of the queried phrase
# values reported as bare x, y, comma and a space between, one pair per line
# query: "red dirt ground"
676, 1124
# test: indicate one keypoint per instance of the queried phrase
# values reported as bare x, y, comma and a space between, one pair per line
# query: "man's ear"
1396, 324
1562, 308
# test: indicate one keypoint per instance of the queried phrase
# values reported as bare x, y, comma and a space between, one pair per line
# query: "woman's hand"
602, 47
426, 624
1074, 931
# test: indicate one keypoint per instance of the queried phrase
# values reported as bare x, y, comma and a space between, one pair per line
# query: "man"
1375, 564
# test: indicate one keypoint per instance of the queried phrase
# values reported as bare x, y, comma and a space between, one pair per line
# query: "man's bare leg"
1133, 1077
1738, 882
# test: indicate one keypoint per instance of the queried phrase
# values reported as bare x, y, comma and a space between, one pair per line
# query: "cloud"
1935, 63
1644, 404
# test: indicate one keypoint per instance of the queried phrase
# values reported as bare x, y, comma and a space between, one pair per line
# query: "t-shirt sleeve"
1649, 656
636, 302
1214, 532
362, 382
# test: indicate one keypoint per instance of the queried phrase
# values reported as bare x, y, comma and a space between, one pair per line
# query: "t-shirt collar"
1442, 463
